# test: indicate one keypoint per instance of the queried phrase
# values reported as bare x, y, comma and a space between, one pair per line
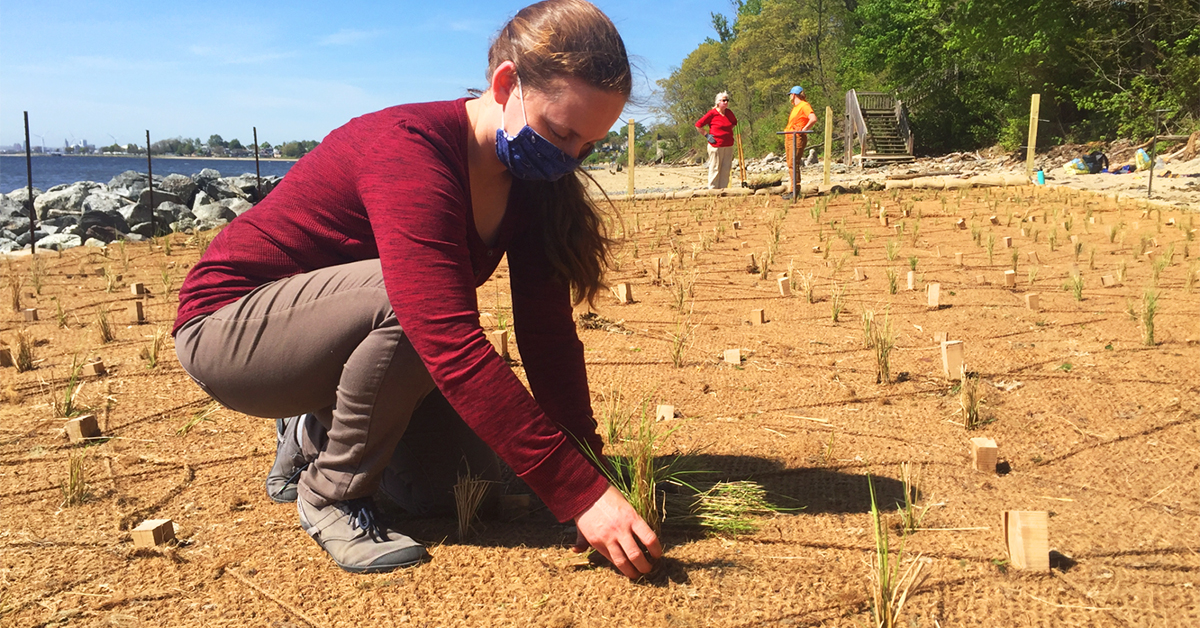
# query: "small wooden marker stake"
737, 224
6, 357
758, 317
94, 368
662, 413
1033, 301
733, 356
859, 275
816, 249
624, 293
939, 251
137, 288
30, 314
750, 263
1107, 281
958, 259
934, 295
82, 428
912, 280
1008, 242
1027, 538
940, 336
994, 220
1033, 258
981, 280
962, 223
153, 532
136, 313
952, 359
785, 287
1010, 279
883, 219
983, 454
499, 340
657, 267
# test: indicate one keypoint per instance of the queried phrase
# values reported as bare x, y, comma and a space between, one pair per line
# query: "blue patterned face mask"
529, 156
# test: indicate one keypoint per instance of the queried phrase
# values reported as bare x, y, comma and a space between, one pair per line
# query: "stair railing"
906, 133
856, 127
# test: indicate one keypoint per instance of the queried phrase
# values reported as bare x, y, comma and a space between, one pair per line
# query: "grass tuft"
889, 585
24, 357
969, 401
1149, 309
75, 490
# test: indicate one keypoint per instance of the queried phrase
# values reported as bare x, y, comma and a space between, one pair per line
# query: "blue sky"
107, 71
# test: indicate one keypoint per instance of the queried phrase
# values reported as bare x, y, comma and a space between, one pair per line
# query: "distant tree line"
215, 146
965, 68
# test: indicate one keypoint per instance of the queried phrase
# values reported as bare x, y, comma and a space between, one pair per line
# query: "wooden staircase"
879, 123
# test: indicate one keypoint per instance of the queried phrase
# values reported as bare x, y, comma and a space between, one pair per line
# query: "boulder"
143, 229
64, 198
21, 195
60, 241
16, 224
170, 211
134, 214
202, 198
157, 196
131, 183
181, 186
237, 205
8, 246
102, 234
212, 213
221, 189
104, 202
90, 221
93, 242
9, 207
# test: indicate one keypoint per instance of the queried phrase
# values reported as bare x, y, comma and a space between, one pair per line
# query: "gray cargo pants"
327, 342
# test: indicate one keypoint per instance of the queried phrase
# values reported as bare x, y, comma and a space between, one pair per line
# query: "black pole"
257, 173
150, 181
29, 183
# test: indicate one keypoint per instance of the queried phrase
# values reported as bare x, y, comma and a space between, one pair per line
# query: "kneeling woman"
349, 294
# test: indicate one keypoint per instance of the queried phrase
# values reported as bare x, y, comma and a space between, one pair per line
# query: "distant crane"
43, 141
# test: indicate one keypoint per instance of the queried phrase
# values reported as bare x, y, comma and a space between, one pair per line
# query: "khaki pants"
801, 143
720, 162
327, 342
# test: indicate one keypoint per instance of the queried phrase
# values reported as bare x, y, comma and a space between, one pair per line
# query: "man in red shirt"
720, 122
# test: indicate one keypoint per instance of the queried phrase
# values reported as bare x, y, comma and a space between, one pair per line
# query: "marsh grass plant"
75, 489
469, 493
969, 402
67, 404
729, 508
883, 341
103, 326
890, 583
24, 360
1149, 310
197, 418
911, 514
837, 301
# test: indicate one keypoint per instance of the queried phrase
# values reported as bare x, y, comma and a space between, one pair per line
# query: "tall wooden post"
29, 182
631, 159
150, 186
828, 139
1034, 106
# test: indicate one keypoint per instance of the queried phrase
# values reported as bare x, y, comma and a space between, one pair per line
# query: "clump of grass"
681, 339
727, 508
1075, 286
837, 301
75, 490
469, 492
1092, 258
890, 586
868, 325
892, 249
969, 400
1157, 267
883, 341
1121, 270
14, 292
150, 352
166, 244
991, 246
103, 326
1033, 275
198, 418
837, 266
110, 280
681, 290
164, 274
1078, 250
912, 262
24, 358
1189, 280
1149, 309
1053, 239
911, 514
632, 466
807, 282
67, 406
893, 280
60, 314
37, 272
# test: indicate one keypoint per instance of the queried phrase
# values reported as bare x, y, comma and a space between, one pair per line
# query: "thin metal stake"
29, 182
150, 180
257, 173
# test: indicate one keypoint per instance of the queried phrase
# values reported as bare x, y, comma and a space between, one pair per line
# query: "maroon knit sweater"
393, 185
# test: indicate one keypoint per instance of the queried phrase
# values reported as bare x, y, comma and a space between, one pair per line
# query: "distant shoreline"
22, 155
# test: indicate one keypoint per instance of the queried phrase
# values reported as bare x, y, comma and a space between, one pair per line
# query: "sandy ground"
1094, 427
1175, 189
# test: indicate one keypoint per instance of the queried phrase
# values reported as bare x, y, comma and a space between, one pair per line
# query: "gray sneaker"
349, 532
289, 461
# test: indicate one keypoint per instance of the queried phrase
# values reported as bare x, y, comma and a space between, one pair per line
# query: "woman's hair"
720, 96
547, 41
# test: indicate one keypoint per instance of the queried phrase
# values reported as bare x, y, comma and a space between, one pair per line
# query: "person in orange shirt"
802, 118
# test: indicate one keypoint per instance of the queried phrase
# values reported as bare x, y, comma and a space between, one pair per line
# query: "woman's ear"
503, 82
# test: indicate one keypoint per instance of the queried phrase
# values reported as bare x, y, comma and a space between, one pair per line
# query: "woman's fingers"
647, 538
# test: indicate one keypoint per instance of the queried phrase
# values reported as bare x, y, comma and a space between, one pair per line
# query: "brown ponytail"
548, 40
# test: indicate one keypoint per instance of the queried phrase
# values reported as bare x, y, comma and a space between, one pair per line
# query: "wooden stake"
912, 280
6, 357
983, 454
499, 340
952, 359
1010, 279
1033, 301
30, 314
624, 293
1027, 538
82, 428
136, 313
153, 532
94, 368
785, 287
1031, 150
663, 412
137, 288
828, 140
758, 317
933, 295
733, 356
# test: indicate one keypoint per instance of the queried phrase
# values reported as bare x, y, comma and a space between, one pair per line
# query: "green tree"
234, 144
215, 141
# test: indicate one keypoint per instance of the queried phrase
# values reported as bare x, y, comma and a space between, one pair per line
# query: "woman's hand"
613, 528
